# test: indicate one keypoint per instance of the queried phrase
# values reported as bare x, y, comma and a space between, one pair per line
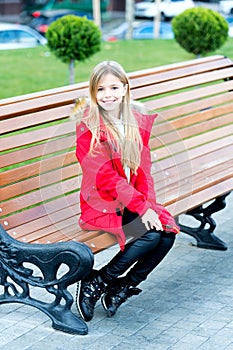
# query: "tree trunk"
129, 17
97, 12
157, 20
71, 70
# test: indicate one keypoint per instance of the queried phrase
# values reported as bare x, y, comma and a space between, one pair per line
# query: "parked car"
168, 8
40, 20
141, 30
16, 36
229, 20
226, 7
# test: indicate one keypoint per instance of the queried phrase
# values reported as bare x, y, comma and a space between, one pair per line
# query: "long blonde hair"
128, 145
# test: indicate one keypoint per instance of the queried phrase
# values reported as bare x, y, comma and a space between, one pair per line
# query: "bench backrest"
41, 177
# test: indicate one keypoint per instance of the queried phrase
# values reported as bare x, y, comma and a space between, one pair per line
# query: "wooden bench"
192, 153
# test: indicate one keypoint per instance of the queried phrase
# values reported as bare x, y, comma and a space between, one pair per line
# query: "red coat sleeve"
99, 169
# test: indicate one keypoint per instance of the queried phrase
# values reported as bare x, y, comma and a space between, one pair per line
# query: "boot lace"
123, 294
92, 290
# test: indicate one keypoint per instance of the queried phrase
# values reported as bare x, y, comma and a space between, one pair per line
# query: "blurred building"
10, 7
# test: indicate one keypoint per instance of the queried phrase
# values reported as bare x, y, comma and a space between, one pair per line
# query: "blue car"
141, 30
16, 36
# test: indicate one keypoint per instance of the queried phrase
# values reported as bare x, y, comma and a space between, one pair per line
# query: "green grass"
31, 70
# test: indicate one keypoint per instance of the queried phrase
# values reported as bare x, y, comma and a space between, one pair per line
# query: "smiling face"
110, 93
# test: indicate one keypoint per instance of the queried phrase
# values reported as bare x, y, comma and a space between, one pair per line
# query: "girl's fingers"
147, 225
150, 225
160, 226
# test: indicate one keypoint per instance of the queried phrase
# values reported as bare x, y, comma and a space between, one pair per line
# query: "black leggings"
145, 251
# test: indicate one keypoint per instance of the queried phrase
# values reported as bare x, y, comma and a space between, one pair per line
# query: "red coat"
105, 191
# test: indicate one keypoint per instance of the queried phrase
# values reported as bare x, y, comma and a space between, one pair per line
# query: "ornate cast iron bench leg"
18, 280
204, 232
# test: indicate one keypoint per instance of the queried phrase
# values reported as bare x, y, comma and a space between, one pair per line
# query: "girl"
117, 191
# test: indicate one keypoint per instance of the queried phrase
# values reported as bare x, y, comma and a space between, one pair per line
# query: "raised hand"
151, 220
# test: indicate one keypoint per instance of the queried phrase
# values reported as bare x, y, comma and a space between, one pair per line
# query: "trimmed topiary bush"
200, 30
72, 38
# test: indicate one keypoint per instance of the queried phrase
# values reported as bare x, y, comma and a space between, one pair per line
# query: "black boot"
89, 291
117, 295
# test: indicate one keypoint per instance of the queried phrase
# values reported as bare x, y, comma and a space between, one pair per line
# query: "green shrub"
72, 38
200, 30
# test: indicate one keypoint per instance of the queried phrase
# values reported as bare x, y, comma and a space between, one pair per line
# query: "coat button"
82, 129
104, 210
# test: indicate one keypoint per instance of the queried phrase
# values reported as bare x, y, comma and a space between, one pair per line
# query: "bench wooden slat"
182, 83
196, 199
44, 209
191, 123
198, 105
52, 218
183, 160
212, 128
28, 120
40, 135
178, 73
183, 64
25, 154
160, 152
41, 195
185, 96
31, 105
189, 117
191, 166
101, 242
199, 183
38, 167
33, 183
65, 227
45, 93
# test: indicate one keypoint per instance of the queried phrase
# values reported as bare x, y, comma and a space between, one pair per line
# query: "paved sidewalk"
186, 304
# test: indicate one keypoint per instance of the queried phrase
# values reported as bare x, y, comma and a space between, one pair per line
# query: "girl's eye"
115, 87
100, 89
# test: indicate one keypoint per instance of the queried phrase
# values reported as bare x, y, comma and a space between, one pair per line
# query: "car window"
16, 36
39, 21
24, 37
146, 30
170, 1
41, 2
7, 36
